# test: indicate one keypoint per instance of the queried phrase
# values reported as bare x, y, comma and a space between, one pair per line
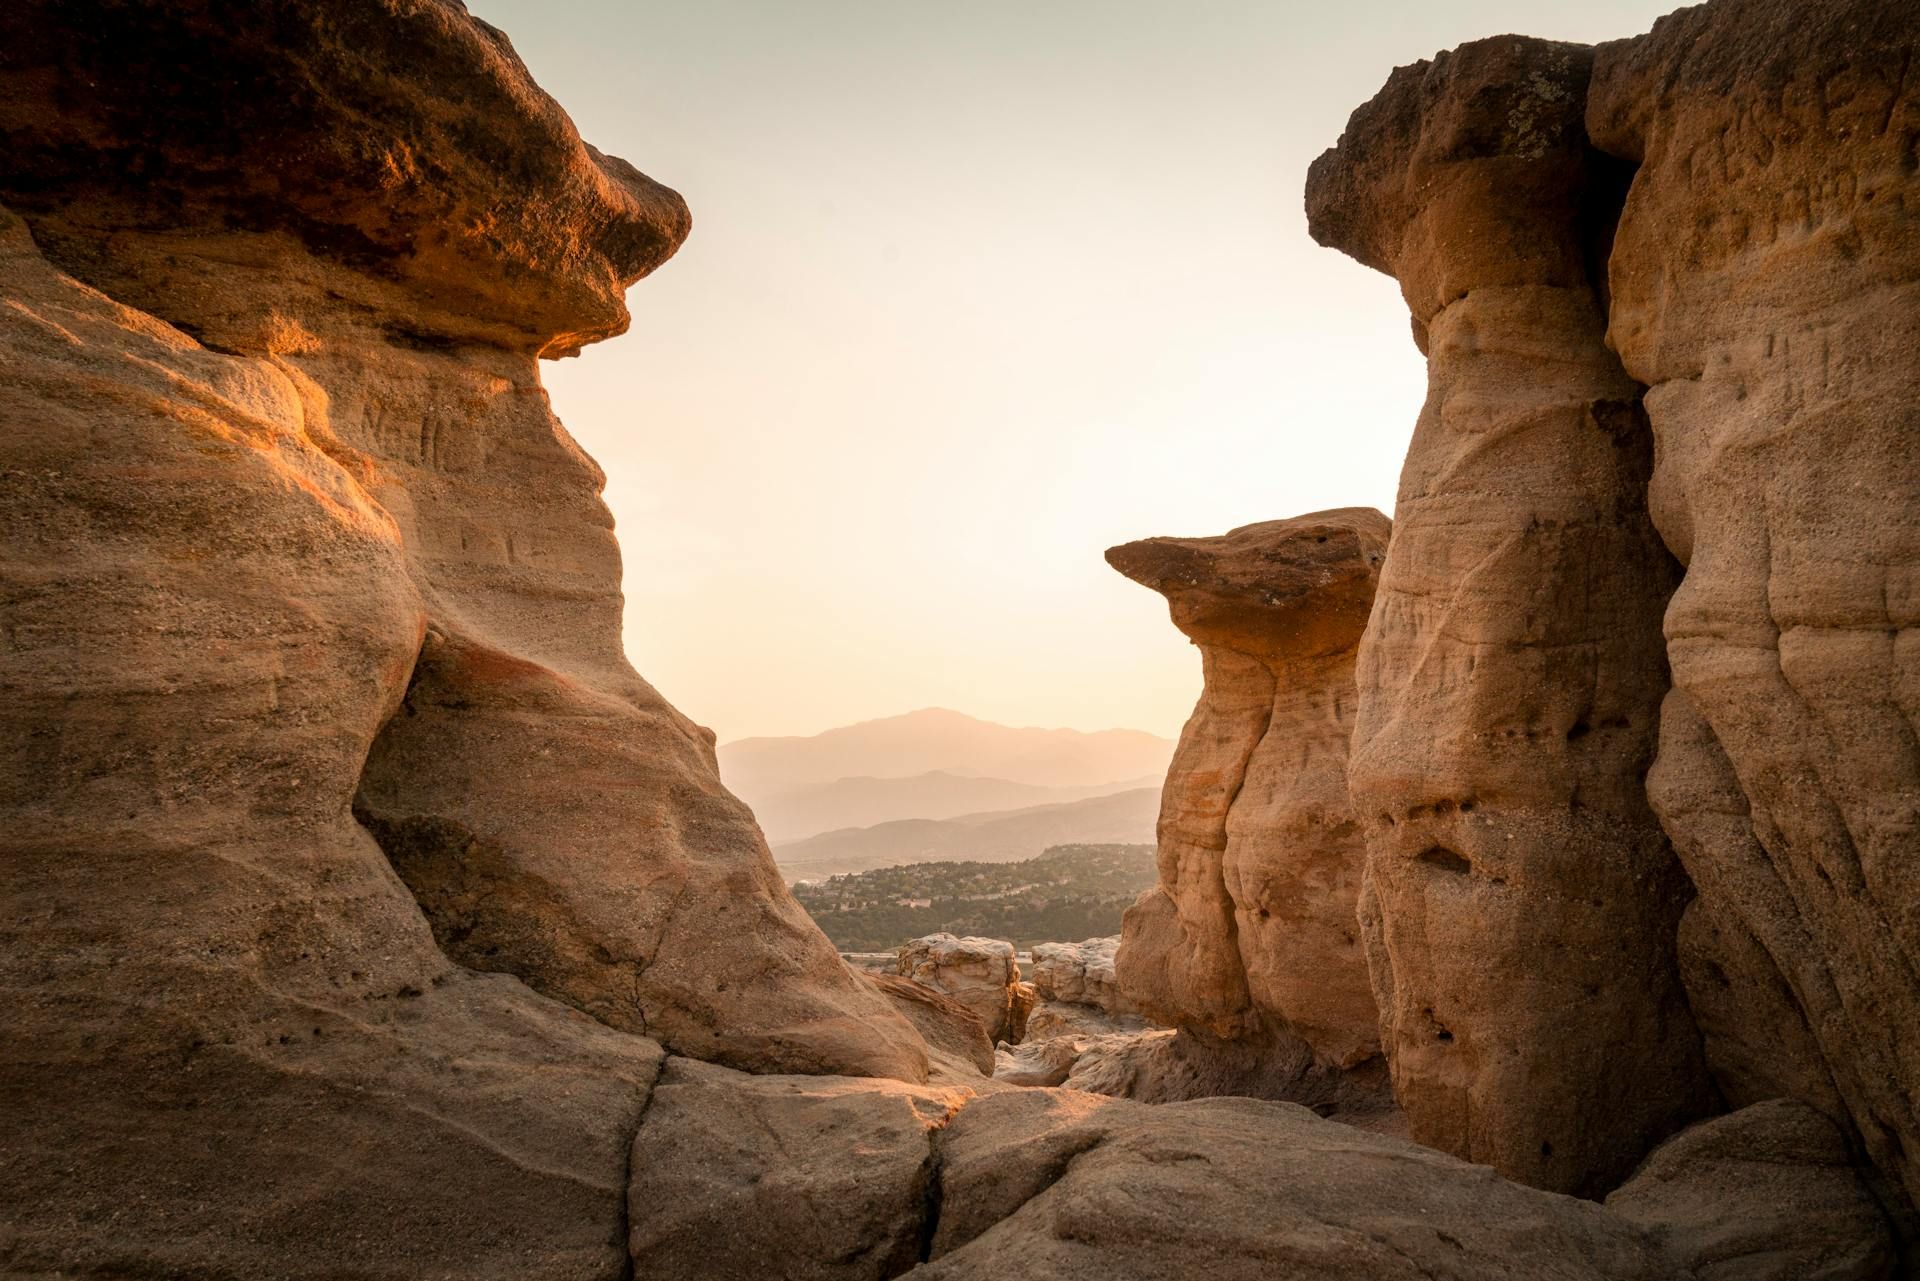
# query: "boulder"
1522, 900
982, 974
738, 1178
1765, 281
1251, 933
1081, 974
1768, 1193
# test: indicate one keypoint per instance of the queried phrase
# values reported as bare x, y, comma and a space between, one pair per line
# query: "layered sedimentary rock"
1251, 933
390, 275
1766, 288
980, 973
1522, 900
956, 1038
289, 536
216, 986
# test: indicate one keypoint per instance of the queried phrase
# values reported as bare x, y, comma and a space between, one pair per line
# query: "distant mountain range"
1000, 836
937, 740
937, 794
938, 784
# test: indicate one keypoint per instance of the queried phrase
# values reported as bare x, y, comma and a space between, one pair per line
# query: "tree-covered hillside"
1070, 892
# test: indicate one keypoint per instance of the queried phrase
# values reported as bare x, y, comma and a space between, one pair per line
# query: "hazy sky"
974, 291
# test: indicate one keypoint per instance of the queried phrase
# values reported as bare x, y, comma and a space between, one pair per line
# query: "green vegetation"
1070, 892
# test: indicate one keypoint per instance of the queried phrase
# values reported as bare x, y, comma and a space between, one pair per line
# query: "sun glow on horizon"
972, 294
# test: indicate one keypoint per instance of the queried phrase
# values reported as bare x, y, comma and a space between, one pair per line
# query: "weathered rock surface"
982, 974
1522, 901
738, 1178
1058, 1185
1167, 1065
1081, 973
554, 816
953, 1031
232, 1045
1251, 934
288, 532
1801, 1210
1065, 1018
1077, 992
1766, 288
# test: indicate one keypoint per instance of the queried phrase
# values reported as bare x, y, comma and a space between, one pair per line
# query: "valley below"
1070, 892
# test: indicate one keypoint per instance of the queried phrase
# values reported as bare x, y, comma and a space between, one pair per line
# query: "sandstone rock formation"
1066, 1018
737, 1178
814, 1177
214, 981
981, 974
1522, 901
957, 1040
1765, 285
1077, 992
1053, 1185
1251, 933
290, 536
363, 914
1080, 973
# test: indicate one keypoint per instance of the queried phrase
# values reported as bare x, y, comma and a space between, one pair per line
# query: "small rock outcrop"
1522, 900
981, 974
1077, 992
1080, 973
1251, 934
957, 1040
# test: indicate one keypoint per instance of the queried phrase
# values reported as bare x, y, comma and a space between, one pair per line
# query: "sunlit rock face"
1521, 901
304, 586
1766, 288
1251, 933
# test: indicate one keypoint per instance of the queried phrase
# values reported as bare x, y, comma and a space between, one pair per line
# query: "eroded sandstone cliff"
345, 857
1521, 900
1669, 283
1766, 290
1250, 935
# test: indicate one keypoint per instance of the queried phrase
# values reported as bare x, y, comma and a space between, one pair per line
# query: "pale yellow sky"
974, 291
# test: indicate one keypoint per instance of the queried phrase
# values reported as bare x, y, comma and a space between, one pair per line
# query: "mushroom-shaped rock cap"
402, 138
1463, 172
1283, 589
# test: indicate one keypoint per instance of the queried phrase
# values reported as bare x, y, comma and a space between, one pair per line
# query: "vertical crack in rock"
625, 1218
1512, 671
935, 1192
